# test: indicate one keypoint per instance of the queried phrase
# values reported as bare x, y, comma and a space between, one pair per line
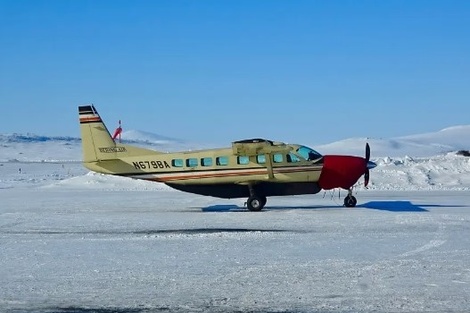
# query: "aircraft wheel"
256, 203
350, 201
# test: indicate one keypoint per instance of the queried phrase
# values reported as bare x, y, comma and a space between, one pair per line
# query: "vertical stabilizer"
97, 143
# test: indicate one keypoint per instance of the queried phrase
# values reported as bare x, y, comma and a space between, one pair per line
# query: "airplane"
253, 168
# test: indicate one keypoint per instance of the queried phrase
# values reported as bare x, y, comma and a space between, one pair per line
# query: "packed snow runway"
66, 247
77, 242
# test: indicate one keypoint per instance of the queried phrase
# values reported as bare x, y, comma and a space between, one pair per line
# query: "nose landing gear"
350, 201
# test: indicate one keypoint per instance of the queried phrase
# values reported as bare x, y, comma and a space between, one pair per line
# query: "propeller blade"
366, 172
367, 152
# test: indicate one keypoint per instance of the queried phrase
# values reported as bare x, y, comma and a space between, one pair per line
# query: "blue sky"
217, 71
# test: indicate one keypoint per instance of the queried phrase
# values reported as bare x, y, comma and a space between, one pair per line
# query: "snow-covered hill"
421, 145
417, 162
142, 136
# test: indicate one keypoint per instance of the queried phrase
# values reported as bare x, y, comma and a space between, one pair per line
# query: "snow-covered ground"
106, 250
74, 241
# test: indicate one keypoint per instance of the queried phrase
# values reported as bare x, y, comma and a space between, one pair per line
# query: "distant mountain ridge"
132, 136
24, 138
421, 145
128, 136
37, 148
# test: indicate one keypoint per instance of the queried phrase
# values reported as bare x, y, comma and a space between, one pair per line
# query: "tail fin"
97, 143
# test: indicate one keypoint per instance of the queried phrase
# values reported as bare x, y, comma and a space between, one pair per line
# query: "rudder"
95, 135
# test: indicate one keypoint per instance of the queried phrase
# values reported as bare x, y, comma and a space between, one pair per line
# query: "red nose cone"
340, 171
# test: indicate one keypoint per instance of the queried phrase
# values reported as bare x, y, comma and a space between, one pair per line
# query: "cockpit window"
308, 153
292, 158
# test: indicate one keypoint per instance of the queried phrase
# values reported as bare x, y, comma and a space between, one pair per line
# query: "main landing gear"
255, 202
350, 201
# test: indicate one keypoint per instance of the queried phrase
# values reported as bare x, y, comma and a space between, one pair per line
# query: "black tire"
255, 203
350, 201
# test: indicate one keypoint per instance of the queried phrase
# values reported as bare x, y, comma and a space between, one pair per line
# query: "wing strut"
269, 165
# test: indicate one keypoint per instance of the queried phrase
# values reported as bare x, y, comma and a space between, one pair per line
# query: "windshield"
308, 153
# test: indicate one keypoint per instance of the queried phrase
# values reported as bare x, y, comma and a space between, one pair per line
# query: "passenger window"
243, 160
191, 162
177, 163
292, 158
261, 159
206, 161
222, 160
277, 158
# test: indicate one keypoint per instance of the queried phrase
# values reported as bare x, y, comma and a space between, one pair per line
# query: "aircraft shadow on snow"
402, 206
391, 206
236, 208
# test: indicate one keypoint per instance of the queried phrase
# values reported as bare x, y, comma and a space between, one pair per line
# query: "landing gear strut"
350, 201
255, 202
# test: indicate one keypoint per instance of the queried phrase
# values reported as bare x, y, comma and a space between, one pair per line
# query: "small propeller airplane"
253, 168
